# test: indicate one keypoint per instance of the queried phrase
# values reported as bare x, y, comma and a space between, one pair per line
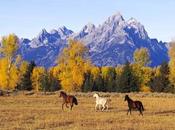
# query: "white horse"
101, 101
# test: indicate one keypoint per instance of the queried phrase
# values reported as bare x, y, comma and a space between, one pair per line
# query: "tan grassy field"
33, 112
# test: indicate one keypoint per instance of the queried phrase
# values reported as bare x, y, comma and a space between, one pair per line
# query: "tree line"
75, 72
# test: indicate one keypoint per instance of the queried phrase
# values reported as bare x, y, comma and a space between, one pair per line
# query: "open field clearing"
31, 112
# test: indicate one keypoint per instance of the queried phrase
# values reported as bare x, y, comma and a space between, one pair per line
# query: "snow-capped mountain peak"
115, 19
53, 31
43, 32
132, 21
64, 32
88, 28
110, 44
136, 27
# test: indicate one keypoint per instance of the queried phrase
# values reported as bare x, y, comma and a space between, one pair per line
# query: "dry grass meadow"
38, 112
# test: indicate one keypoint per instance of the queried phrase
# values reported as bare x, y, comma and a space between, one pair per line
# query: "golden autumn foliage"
143, 73
75, 72
105, 72
72, 65
119, 70
11, 81
108, 72
8, 63
172, 63
95, 71
9, 45
37, 78
23, 67
141, 56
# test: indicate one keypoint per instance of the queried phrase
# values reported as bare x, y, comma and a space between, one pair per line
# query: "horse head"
126, 97
62, 93
95, 95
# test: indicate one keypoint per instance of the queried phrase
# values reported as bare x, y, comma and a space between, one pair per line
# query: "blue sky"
26, 18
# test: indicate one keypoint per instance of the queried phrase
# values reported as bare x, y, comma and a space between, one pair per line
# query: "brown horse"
68, 99
134, 105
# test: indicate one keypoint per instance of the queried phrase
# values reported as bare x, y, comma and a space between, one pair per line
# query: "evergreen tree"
108, 74
127, 81
88, 83
161, 83
99, 85
98, 82
45, 84
26, 83
54, 83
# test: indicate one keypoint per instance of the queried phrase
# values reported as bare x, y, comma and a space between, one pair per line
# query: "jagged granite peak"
137, 28
115, 18
43, 32
86, 30
64, 32
113, 22
110, 44
53, 31
89, 28
24, 42
115, 41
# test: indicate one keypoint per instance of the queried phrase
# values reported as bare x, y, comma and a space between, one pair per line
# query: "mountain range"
110, 44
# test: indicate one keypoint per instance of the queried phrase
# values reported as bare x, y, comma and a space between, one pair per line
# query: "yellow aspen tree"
141, 60
9, 67
37, 78
172, 64
72, 66
95, 71
141, 56
23, 69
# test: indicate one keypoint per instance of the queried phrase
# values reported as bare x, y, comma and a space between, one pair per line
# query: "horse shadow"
167, 112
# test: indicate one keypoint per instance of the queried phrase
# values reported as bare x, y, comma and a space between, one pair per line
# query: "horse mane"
64, 93
97, 94
128, 98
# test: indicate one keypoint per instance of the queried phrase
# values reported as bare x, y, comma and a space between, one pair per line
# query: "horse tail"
142, 107
75, 101
109, 100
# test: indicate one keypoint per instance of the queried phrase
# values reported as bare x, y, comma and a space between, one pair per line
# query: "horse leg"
63, 106
128, 111
100, 107
67, 105
106, 107
96, 106
103, 107
140, 109
141, 112
71, 106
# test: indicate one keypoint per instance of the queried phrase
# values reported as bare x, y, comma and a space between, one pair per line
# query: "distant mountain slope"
110, 44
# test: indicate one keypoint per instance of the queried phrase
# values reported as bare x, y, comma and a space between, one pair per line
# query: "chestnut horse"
134, 105
68, 99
